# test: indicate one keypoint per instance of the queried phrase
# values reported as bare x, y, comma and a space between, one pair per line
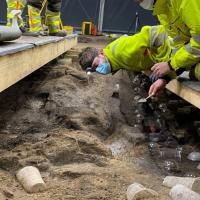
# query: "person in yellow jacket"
181, 20
136, 53
52, 15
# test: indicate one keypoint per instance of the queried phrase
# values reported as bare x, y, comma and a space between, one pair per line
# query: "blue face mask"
104, 68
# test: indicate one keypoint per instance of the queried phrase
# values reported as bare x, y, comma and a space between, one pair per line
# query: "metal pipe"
101, 15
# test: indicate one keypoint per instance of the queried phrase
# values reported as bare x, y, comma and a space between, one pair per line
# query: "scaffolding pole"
101, 15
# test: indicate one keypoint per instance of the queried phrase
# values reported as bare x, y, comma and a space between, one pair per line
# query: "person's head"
94, 60
146, 4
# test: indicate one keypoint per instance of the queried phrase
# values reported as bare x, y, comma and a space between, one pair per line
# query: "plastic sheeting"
2, 11
119, 15
74, 12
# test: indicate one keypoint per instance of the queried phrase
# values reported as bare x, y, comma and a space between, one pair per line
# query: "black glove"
153, 77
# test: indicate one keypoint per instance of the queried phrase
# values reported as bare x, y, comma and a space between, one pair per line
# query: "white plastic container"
181, 192
137, 191
31, 179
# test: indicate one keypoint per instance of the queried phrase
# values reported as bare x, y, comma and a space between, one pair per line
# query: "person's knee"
54, 5
197, 71
194, 73
35, 3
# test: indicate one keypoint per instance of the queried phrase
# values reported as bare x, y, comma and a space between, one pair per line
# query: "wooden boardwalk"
27, 54
186, 89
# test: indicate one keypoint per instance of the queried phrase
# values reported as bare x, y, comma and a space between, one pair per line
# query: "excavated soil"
73, 131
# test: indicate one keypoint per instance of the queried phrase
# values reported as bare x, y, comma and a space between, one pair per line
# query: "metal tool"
144, 100
88, 76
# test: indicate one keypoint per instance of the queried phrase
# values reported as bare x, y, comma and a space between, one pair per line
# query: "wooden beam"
16, 66
186, 90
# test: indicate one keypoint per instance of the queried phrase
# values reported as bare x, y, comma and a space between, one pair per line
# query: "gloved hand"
153, 77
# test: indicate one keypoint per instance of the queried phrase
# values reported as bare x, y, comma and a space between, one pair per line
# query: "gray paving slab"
9, 48
27, 42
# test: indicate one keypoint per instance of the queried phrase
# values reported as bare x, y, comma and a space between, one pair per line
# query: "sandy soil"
74, 132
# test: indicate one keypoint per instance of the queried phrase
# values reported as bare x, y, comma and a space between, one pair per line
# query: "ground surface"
74, 132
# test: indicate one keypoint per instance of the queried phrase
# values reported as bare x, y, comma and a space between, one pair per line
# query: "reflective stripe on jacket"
140, 51
181, 19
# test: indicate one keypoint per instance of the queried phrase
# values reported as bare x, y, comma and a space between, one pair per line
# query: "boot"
15, 5
194, 73
35, 23
54, 24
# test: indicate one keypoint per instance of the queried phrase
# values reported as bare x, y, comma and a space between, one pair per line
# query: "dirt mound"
55, 96
65, 126
74, 164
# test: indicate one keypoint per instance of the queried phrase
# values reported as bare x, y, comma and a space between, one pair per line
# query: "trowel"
144, 100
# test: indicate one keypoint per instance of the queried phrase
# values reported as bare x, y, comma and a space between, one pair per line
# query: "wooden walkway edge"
188, 90
29, 54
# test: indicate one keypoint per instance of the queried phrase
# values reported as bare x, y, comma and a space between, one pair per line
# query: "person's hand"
157, 86
161, 69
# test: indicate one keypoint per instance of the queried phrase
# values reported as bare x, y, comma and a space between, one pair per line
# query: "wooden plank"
186, 90
40, 40
16, 66
26, 42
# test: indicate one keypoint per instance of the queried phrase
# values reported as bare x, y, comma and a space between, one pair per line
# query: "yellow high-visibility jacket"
181, 19
140, 51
